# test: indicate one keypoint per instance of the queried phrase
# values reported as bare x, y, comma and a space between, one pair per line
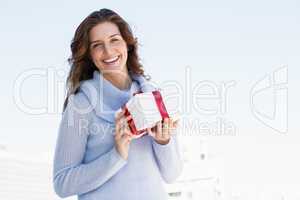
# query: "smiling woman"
101, 36
108, 49
96, 155
108, 52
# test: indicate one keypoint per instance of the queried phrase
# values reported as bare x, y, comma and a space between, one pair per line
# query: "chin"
113, 69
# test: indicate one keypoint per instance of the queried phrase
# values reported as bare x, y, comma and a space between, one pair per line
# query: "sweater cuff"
119, 160
163, 147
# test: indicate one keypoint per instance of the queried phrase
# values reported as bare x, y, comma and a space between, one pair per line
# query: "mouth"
111, 61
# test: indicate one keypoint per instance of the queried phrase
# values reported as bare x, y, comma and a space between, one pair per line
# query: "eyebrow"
101, 41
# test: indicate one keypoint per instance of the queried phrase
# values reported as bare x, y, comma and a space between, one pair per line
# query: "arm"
168, 158
70, 175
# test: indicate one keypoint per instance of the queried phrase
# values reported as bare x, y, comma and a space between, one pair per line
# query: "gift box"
146, 109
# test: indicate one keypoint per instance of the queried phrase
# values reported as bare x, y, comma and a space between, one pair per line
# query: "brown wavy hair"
82, 67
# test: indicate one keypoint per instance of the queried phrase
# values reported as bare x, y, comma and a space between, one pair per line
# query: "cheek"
95, 57
122, 48
125, 55
125, 52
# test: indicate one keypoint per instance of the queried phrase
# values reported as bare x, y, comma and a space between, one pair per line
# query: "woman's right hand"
123, 135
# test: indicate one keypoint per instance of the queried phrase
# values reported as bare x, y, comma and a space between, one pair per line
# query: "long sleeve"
70, 175
169, 159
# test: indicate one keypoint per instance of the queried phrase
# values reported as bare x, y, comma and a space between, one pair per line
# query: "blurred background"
233, 70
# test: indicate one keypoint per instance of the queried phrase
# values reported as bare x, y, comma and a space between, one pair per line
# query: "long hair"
82, 67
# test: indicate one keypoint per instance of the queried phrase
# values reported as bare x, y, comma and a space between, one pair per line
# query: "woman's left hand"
163, 130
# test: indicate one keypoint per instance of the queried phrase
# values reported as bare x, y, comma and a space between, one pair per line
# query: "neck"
119, 79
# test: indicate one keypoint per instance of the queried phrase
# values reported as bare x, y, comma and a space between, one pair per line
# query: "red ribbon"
160, 105
131, 124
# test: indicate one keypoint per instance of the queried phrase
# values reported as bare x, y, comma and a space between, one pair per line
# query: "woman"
96, 156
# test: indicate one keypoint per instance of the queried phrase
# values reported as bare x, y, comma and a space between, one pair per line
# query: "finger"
166, 126
175, 126
119, 115
129, 117
159, 131
149, 130
123, 123
175, 123
127, 137
170, 127
154, 129
171, 123
118, 135
121, 127
117, 131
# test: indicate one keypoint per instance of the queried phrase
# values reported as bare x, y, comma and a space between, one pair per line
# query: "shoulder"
81, 99
145, 82
79, 103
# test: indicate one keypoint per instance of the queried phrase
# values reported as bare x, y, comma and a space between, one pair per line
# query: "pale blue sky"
218, 40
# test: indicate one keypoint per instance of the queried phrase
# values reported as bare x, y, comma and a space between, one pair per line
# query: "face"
108, 49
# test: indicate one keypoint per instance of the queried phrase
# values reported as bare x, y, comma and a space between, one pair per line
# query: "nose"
107, 49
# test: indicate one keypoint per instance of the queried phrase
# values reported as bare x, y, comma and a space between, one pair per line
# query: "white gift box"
148, 108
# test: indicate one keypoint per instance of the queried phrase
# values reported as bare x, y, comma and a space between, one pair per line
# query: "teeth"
111, 60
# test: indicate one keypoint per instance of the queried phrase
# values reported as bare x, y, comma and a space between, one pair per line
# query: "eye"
115, 40
97, 45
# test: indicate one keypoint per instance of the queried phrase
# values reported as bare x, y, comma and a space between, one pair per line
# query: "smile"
111, 60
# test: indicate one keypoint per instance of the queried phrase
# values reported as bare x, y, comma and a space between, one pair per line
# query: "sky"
251, 48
